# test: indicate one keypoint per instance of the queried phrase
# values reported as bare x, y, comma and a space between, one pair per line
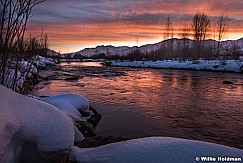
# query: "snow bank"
26, 69
10, 76
43, 62
16, 79
155, 150
24, 119
70, 104
213, 65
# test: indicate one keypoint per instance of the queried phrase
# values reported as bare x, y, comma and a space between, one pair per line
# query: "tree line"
195, 40
201, 38
15, 46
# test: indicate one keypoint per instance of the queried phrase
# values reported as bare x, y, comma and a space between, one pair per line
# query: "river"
157, 102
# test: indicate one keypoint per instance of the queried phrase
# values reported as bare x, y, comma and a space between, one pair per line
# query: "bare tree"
200, 26
185, 33
168, 28
222, 27
14, 15
168, 47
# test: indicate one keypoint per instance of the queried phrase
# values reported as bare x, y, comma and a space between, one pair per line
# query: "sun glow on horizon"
72, 26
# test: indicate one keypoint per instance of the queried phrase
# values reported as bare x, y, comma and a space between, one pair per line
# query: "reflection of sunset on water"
176, 103
233, 90
94, 64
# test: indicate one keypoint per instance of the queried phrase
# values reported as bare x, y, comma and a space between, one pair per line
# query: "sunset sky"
76, 24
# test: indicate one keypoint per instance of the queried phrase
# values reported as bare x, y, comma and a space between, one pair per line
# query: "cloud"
116, 20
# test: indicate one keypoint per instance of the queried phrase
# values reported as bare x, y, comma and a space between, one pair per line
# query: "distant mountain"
174, 43
52, 53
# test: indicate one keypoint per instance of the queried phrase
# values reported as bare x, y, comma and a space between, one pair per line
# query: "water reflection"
147, 102
93, 64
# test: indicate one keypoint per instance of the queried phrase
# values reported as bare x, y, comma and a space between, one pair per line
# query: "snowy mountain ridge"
110, 50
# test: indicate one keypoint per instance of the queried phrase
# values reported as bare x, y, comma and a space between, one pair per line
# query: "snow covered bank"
43, 62
211, 65
72, 104
156, 150
17, 78
17, 75
26, 120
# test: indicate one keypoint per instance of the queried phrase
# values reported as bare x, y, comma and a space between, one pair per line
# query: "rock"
216, 66
109, 74
86, 128
106, 63
84, 114
99, 141
227, 82
72, 78
94, 118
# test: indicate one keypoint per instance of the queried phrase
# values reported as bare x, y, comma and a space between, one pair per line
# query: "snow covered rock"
26, 120
28, 67
43, 63
155, 150
72, 104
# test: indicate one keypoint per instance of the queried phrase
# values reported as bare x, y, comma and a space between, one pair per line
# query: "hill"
171, 48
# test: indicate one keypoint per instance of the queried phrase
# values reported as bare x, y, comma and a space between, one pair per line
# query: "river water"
157, 102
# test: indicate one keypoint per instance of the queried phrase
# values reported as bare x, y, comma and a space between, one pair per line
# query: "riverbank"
200, 65
22, 77
149, 102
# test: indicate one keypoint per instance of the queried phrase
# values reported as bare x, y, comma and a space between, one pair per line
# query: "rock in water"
72, 78
86, 128
109, 74
94, 118
227, 82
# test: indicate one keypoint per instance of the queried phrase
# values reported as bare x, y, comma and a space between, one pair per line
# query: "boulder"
86, 128
94, 118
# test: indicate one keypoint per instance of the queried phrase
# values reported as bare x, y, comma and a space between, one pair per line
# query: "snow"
25, 69
26, 120
9, 75
212, 65
70, 104
25, 65
43, 62
153, 149
108, 50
